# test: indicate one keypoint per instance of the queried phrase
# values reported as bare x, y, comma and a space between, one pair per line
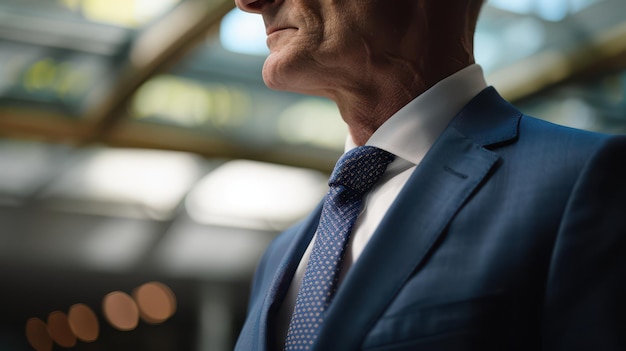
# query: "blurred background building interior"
138, 144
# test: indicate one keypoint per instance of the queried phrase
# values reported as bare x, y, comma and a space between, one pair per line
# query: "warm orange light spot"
83, 322
59, 329
156, 302
37, 335
121, 311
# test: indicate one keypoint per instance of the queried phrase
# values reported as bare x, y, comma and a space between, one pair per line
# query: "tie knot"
360, 168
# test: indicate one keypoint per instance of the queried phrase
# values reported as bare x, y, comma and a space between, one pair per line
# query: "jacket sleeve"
585, 304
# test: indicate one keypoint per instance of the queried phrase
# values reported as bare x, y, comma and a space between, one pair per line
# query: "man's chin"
275, 72
290, 73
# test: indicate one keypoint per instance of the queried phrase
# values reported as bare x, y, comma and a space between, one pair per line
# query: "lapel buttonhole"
456, 173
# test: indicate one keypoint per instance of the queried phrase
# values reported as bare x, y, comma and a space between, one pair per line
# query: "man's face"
320, 45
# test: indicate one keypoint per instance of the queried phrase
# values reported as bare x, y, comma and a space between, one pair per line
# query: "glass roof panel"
243, 33
123, 13
553, 10
50, 78
63, 55
126, 13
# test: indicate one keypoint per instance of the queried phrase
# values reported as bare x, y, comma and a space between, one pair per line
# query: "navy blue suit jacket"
510, 235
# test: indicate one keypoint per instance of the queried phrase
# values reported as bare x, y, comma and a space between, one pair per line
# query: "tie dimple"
354, 174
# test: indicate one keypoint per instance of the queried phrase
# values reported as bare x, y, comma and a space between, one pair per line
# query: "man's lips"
274, 29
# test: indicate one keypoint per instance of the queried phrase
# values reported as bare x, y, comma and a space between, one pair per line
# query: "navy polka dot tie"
355, 173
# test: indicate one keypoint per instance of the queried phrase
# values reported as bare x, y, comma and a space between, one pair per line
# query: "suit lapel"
282, 278
451, 171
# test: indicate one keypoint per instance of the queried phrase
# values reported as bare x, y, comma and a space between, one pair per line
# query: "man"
489, 230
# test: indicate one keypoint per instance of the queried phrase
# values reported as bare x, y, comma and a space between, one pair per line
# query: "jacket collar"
488, 119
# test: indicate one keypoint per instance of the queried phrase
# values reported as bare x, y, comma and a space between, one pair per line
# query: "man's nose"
253, 6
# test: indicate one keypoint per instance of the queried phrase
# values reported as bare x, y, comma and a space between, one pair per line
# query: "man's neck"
365, 109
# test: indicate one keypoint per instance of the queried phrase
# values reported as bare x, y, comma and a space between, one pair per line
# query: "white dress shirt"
408, 134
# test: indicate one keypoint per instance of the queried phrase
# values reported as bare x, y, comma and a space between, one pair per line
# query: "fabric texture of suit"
509, 235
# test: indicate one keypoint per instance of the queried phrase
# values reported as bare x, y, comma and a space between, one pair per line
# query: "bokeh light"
60, 331
121, 311
83, 322
156, 302
37, 335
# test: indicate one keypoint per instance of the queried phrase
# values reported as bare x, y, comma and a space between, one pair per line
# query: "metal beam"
158, 48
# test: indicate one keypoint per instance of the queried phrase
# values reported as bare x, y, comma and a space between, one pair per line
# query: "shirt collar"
411, 131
